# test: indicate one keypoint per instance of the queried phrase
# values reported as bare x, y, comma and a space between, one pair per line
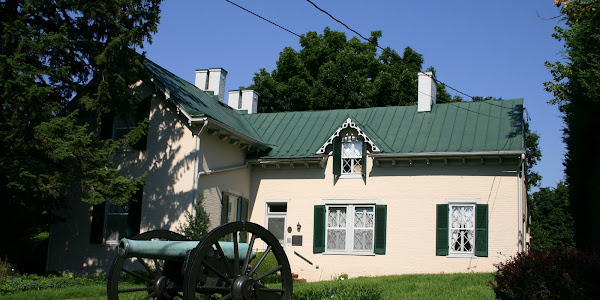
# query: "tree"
196, 223
332, 72
65, 71
576, 90
551, 218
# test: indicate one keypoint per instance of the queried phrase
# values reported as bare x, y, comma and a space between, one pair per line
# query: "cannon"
162, 264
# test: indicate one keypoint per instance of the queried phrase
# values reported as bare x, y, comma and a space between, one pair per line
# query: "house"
431, 188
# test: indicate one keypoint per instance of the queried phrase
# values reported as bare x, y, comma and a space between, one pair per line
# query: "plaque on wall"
296, 240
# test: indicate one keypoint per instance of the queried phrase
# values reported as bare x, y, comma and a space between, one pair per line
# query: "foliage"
575, 87
340, 291
65, 71
551, 218
560, 273
332, 72
14, 284
197, 223
266, 265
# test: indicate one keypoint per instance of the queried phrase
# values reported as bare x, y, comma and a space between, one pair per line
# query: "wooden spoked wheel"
144, 278
210, 274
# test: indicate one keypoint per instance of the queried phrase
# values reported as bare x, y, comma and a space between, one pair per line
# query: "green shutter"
380, 228
245, 215
134, 216
364, 159
441, 242
97, 229
337, 156
481, 230
319, 229
224, 207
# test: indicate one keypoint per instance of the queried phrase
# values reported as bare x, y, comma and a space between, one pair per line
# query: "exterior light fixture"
298, 226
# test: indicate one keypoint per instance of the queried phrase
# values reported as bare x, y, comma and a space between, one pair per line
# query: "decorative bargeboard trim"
346, 124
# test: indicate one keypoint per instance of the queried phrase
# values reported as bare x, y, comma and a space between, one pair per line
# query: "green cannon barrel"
173, 250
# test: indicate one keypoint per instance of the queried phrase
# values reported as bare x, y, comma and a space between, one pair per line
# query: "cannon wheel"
155, 282
210, 275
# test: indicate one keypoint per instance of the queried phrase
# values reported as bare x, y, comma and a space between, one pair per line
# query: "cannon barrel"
173, 250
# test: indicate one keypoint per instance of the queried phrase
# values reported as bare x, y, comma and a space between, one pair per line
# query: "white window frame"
107, 225
350, 211
352, 174
451, 251
269, 214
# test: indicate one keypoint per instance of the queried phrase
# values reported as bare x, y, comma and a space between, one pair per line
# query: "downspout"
197, 166
520, 176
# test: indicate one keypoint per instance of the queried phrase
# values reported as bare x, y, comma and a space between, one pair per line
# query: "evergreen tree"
576, 90
196, 223
65, 71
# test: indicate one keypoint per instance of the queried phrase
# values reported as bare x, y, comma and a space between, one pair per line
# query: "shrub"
196, 224
21, 283
341, 292
561, 273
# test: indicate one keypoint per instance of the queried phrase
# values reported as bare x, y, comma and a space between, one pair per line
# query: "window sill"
350, 253
355, 176
459, 255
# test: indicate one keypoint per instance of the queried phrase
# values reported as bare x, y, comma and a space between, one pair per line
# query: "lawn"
437, 286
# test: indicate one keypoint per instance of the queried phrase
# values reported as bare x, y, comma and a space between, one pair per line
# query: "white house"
429, 188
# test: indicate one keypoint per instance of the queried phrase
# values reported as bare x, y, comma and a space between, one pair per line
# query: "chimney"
243, 100
427, 91
212, 80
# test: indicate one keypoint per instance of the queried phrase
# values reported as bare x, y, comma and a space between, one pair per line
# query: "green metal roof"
490, 126
198, 103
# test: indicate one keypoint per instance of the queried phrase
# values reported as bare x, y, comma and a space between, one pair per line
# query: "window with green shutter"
350, 229
462, 229
112, 222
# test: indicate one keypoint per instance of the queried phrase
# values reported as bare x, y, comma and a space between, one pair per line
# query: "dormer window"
352, 156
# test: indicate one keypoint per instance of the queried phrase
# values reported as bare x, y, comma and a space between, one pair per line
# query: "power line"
264, 19
383, 49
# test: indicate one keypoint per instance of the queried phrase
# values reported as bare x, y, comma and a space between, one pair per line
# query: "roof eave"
449, 154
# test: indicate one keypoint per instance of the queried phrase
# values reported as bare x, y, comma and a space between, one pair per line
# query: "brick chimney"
243, 100
212, 80
427, 91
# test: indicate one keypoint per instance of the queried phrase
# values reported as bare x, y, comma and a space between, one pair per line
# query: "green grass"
436, 286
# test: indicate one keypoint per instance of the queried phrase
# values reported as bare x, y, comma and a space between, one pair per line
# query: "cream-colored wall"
169, 162
411, 195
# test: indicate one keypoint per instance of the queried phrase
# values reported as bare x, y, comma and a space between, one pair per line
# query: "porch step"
296, 279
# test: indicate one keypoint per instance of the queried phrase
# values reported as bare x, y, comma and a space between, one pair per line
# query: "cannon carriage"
222, 265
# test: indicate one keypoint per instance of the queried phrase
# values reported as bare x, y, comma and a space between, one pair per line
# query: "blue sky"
482, 48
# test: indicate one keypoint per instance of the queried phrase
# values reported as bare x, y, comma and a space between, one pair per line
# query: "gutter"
521, 234
218, 170
448, 154
197, 165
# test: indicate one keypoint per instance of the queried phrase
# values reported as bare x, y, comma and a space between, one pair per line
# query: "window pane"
278, 207
363, 217
276, 226
352, 149
116, 227
336, 217
336, 239
363, 239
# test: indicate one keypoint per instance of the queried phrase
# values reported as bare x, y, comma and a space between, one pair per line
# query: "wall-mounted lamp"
298, 226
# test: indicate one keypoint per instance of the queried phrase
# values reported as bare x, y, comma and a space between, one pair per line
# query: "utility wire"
264, 19
368, 40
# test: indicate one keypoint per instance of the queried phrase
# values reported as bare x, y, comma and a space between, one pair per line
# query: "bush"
341, 292
562, 273
196, 224
27, 282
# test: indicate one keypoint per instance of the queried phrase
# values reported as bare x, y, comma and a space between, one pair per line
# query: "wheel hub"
243, 288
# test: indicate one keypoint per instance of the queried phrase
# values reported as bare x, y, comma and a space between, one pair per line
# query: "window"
122, 125
462, 229
350, 229
112, 222
276, 220
349, 157
233, 208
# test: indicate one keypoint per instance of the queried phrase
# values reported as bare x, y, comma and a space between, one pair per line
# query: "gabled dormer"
349, 147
